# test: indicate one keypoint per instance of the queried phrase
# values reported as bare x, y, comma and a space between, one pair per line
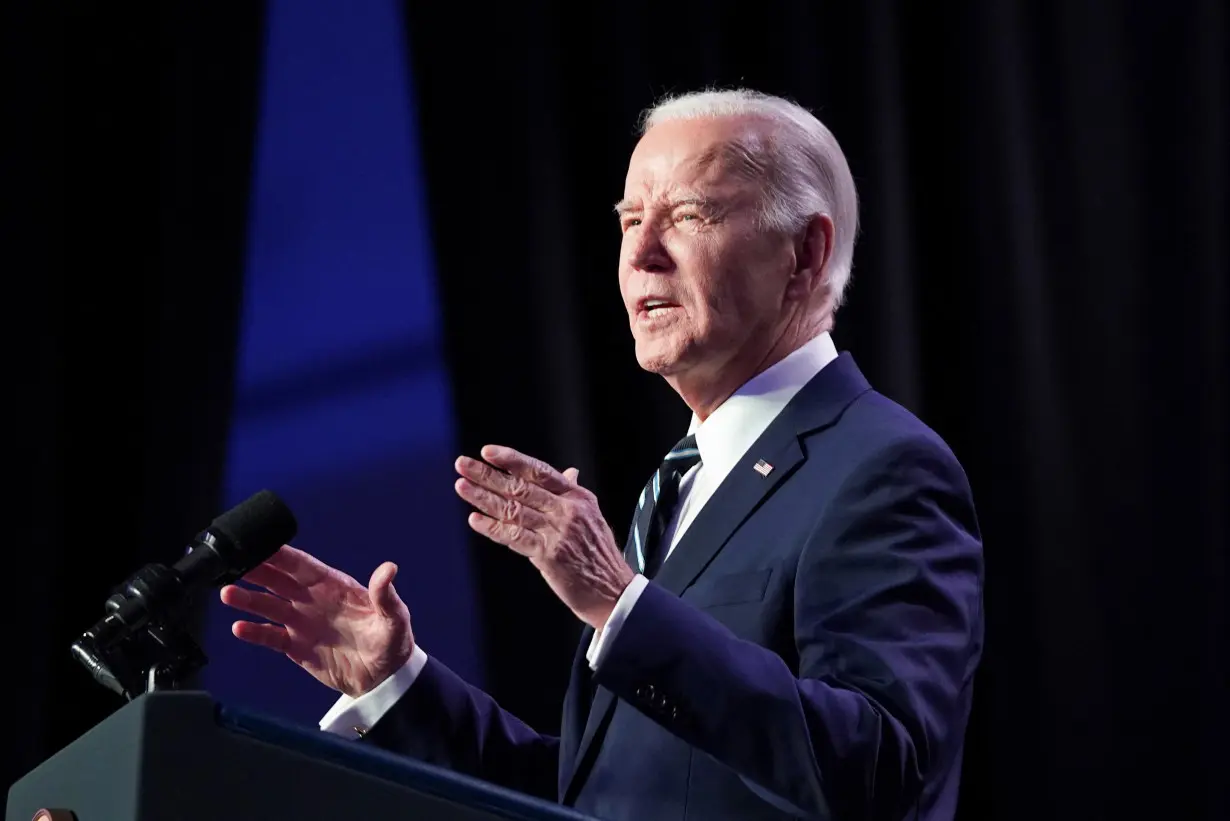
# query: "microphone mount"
142, 644
157, 653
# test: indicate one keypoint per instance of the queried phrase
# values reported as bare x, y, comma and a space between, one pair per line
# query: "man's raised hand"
348, 636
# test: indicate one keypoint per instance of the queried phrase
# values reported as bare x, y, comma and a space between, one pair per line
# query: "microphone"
157, 595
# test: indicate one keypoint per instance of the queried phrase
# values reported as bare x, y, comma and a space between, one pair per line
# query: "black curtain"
125, 168
1042, 276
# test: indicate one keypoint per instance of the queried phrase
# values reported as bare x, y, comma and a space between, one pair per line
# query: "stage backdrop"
342, 399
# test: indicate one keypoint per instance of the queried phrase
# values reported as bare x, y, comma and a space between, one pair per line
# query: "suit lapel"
817, 405
735, 499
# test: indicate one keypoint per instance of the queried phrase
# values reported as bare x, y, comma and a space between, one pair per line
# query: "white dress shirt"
722, 439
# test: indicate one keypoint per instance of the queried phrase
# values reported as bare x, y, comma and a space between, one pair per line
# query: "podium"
180, 756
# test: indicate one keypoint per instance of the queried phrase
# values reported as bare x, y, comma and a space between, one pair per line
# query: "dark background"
1042, 276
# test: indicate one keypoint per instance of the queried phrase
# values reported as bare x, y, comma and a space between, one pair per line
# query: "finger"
527, 467
572, 475
508, 486
302, 567
383, 594
261, 604
273, 636
502, 509
522, 540
277, 582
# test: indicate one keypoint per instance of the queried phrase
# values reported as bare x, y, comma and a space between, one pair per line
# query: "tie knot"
683, 456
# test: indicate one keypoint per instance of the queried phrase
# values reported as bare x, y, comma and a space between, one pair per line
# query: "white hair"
798, 159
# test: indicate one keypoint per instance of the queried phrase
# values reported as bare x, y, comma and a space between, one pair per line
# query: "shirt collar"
731, 429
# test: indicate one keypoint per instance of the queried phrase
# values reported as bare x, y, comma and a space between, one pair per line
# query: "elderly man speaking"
792, 626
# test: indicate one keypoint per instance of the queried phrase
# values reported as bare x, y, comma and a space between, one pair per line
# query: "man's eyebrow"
699, 200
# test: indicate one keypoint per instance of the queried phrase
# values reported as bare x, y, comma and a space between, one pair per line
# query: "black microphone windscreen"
258, 526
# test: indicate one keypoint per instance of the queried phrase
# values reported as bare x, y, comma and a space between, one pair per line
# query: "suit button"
674, 712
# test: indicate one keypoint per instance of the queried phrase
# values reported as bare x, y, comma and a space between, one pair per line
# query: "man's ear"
813, 249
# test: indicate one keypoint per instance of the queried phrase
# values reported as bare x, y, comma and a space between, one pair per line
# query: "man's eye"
688, 217
630, 222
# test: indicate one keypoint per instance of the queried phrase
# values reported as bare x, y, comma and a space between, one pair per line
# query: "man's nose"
648, 251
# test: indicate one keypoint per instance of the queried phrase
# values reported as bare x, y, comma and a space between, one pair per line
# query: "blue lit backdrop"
342, 396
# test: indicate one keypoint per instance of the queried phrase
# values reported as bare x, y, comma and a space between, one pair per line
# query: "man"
793, 625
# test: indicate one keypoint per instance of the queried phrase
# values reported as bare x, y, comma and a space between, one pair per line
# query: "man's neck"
706, 390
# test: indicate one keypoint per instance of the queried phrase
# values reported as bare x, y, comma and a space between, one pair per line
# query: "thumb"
381, 589
571, 475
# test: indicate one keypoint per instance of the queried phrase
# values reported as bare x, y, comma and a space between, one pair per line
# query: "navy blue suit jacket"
808, 650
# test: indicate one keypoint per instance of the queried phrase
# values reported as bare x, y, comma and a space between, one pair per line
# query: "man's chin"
657, 366
660, 359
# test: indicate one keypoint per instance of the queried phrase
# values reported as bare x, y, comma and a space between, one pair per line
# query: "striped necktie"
656, 506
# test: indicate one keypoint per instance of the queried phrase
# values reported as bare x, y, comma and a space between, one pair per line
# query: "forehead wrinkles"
734, 157
717, 168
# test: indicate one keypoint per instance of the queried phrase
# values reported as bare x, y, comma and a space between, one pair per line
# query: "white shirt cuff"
352, 717
599, 645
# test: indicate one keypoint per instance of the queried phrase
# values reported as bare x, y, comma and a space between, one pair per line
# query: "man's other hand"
544, 515
348, 636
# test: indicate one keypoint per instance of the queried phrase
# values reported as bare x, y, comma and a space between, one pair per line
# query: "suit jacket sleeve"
887, 626
443, 720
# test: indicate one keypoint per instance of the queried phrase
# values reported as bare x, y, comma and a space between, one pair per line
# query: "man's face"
702, 284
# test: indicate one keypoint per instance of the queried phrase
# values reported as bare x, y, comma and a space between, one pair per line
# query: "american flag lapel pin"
762, 467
